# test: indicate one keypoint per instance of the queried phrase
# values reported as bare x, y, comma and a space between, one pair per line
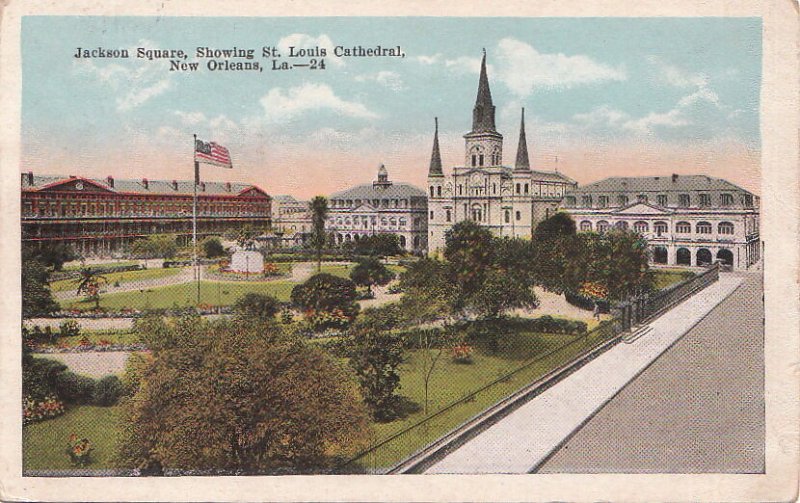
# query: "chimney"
30, 177
227, 186
174, 184
145, 183
674, 178
110, 181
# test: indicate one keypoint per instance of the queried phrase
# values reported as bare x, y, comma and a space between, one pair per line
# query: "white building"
508, 201
291, 221
383, 207
688, 220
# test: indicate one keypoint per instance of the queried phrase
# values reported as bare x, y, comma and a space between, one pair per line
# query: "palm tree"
319, 213
89, 284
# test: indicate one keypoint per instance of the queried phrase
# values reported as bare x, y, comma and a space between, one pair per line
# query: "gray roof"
662, 184
551, 176
368, 191
138, 186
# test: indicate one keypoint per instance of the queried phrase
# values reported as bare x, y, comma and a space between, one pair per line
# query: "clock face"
79, 186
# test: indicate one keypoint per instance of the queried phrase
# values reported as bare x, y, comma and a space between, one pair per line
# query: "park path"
92, 364
519, 442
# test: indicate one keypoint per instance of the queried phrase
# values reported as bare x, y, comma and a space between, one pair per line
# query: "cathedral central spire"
483, 113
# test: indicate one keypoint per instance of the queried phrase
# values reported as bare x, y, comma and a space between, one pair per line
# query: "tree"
52, 254
500, 291
212, 247
37, 299
89, 283
256, 306
156, 246
319, 214
469, 251
428, 293
376, 354
621, 264
559, 225
243, 398
326, 292
245, 237
379, 245
371, 271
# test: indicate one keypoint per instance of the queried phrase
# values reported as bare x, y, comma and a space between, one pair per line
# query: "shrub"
79, 450
39, 410
462, 353
257, 305
107, 391
585, 302
74, 388
38, 377
549, 325
69, 328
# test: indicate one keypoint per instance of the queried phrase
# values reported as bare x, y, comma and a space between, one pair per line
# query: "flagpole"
194, 217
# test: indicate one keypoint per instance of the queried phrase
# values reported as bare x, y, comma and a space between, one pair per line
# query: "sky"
602, 97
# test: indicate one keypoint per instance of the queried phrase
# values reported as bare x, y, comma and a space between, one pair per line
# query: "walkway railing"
387, 453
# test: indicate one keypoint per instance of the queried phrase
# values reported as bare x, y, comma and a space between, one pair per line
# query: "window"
684, 200
602, 226
602, 201
439, 191
519, 216
662, 199
586, 226
460, 191
726, 200
518, 187
526, 188
474, 160
480, 159
570, 201
431, 214
494, 188
447, 215
705, 200
507, 216
748, 200
587, 201
622, 200
622, 225
725, 228
641, 227
642, 198
432, 189
660, 228
703, 228
683, 228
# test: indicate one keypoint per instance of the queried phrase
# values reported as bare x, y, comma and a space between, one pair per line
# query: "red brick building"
102, 216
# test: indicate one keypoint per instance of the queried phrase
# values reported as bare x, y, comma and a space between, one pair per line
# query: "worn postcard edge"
779, 227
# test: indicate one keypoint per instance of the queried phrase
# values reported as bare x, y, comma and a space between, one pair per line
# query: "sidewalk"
527, 436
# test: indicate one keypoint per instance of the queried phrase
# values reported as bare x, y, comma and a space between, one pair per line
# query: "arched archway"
402, 240
726, 256
660, 255
704, 256
683, 257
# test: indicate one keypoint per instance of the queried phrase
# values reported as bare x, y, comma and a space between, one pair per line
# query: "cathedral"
508, 201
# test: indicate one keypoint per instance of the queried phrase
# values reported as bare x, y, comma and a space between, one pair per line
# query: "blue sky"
598, 92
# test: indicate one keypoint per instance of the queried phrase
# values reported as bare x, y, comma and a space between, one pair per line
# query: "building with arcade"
103, 216
688, 220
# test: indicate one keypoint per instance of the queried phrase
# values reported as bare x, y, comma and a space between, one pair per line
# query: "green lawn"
121, 277
44, 444
215, 293
451, 381
665, 278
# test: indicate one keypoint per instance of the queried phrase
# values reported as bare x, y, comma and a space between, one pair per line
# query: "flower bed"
39, 410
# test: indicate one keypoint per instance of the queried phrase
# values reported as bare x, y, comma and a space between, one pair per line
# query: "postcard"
412, 252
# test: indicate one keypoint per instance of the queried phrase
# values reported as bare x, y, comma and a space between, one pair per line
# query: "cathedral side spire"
436, 158
522, 163
483, 113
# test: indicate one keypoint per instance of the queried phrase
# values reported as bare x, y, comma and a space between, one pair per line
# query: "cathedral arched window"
439, 191
526, 188
432, 189
519, 216
518, 188
507, 216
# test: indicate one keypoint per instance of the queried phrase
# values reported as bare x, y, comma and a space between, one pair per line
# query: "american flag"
212, 153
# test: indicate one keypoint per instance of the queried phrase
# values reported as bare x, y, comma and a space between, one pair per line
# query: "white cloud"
281, 105
675, 76
645, 125
428, 60
134, 84
386, 78
522, 68
304, 41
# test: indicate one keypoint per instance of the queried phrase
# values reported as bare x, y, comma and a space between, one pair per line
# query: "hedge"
587, 303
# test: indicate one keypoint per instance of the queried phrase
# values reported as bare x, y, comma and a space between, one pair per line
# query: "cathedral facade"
509, 201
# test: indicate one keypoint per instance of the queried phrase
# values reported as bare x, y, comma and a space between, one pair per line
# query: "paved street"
527, 436
699, 408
